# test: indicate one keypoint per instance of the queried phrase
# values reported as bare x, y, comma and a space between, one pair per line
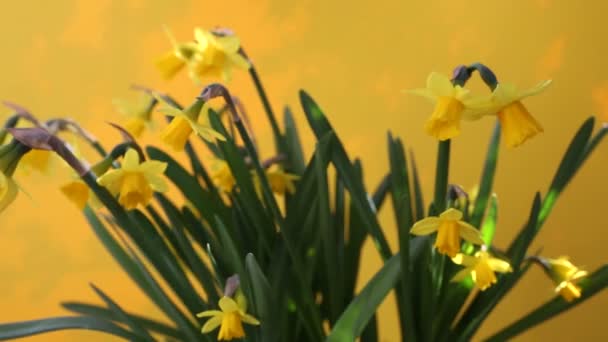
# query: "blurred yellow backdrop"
71, 58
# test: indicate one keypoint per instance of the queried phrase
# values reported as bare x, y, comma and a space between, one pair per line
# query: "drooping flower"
230, 319
138, 114
222, 176
516, 122
10, 156
181, 54
450, 229
184, 122
39, 160
280, 181
135, 182
565, 275
481, 267
452, 104
219, 54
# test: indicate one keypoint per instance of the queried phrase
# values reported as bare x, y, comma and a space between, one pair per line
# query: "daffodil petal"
470, 233
579, 274
451, 214
169, 110
499, 265
250, 319
209, 313
206, 132
229, 44
228, 304
426, 226
440, 84
537, 89
463, 259
11, 193
239, 61
424, 92
131, 160
111, 180
157, 183
461, 275
153, 166
212, 324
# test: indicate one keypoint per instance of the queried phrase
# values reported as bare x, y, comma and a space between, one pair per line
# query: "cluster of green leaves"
298, 262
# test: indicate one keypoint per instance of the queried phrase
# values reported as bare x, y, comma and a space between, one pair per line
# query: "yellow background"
71, 58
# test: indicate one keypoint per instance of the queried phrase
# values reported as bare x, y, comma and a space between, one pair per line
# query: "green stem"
441, 175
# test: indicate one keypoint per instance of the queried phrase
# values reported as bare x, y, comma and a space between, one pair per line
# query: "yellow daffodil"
138, 115
219, 54
280, 181
452, 104
449, 230
8, 190
135, 182
80, 194
222, 176
39, 160
181, 54
184, 122
481, 267
230, 319
565, 275
516, 122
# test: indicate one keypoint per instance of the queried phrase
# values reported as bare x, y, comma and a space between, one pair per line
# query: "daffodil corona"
481, 268
280, 181
222, 176
230, 319
450, 229
135, 182
138, 115
516, 122
453, 103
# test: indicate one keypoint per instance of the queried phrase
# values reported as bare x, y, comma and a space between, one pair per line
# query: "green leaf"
402, 207
262, 297
294, 151
590, 286
418, 198
39, 326
109, 315
123, 317
488, 229
487, 178
357, 315
518, 248
321, 128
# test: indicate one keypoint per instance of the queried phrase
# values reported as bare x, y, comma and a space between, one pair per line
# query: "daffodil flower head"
39, 160
185, 121
452, 104
138, 114
280, 181
219, 54
80, 194
450, 229
565, 275
221, 175
516, 122
135, 182
230, 319
481, 267
180, 55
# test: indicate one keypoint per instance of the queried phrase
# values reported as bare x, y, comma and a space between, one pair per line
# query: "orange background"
71, 58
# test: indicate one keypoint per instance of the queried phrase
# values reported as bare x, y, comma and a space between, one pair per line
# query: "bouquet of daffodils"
266, 245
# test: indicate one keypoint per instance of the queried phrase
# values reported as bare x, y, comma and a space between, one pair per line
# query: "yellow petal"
169, 110
499, 265
206, 132
157, 183
169, 65
228, 304
440, 84
212, 324
250, 319
461, 275
209, 313
77, 192
537, 89
424, 92
8, 191
239, 61
131, 160
470, 233
463, 259
229, 44
451, 214
426, 226
153, 167
112, 180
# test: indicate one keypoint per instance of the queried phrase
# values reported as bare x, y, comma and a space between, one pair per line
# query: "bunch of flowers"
265, 249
